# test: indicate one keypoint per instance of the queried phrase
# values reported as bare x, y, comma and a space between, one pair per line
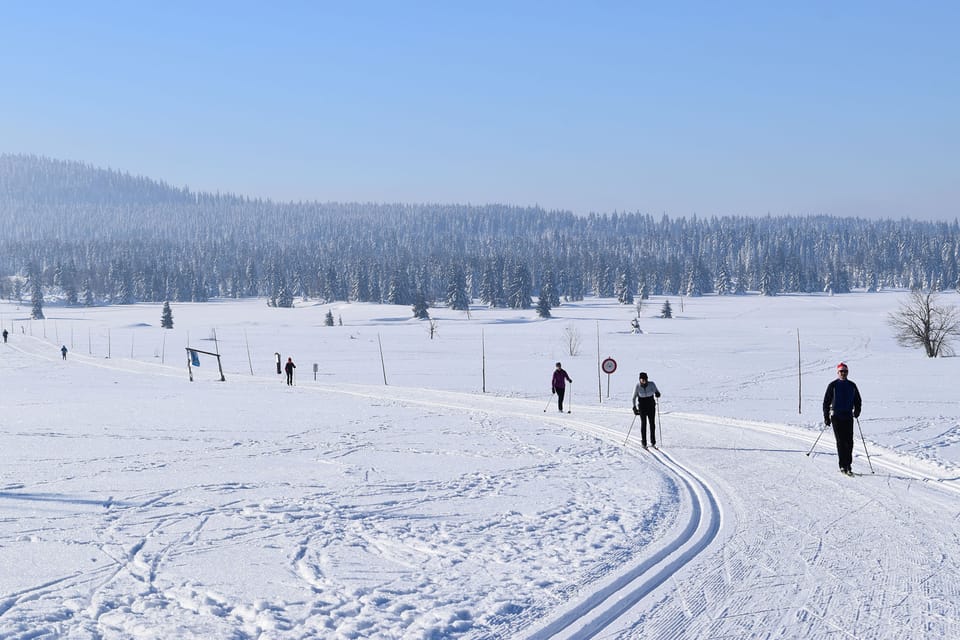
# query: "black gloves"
826, 420
656, 394
856, 414
553, 390
636, 411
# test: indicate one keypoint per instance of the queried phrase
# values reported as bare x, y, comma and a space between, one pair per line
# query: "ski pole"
659, 423
816, 441
864, 445
548, 403
570, 399
631, 428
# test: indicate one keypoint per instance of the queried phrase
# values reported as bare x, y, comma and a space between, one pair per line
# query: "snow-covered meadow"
429, 488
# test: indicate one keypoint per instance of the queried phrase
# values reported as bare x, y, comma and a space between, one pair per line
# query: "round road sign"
609, 366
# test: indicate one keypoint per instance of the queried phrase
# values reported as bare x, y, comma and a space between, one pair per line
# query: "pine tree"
88, 299
666, 311
420, 307
328, 319
166, 316
36, 299
624, 287
548, 288
723, 281
491, 285
457, 296
398, 291
543, 307
518, 296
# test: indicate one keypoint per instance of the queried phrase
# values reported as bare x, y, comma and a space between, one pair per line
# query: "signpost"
608, 366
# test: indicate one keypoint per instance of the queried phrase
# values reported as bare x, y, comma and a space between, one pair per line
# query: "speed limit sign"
609, 366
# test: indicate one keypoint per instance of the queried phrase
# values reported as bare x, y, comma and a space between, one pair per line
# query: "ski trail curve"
603, 605
589, 613
596, 611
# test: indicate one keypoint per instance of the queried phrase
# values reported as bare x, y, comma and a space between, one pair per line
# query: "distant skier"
63, 351
559, 385
289, 367
645, 406
5, 334
841, 405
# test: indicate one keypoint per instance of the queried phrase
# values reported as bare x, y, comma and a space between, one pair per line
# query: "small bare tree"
573, 340
921, 322
432, 327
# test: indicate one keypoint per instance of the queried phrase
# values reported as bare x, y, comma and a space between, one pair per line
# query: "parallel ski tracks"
589, 614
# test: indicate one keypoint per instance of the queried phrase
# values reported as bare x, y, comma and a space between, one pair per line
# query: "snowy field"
429, 488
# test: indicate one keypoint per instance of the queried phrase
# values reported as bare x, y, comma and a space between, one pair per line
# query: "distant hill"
39, 179
89, 235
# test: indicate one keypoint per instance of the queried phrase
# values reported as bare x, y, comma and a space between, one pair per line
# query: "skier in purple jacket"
559, 384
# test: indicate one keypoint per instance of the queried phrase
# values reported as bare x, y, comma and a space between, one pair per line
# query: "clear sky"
706, 108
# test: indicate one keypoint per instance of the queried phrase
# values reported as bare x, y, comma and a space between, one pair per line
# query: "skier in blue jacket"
841, 405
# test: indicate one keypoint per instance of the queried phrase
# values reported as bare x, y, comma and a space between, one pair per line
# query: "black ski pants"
560, 393
843, 431
647, 413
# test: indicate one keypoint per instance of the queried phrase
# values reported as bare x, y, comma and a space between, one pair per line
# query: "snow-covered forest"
95, 236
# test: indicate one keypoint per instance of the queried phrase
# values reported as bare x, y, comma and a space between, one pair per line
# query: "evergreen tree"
543, 307
420, 307
666, 311
457, 296
518, 295
88, 299
166, 316
36, 297
328, 319
548, 288
625, 286
491, 285
723, 281
398, 291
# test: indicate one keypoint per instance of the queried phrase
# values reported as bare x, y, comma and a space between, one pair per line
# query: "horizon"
694, 110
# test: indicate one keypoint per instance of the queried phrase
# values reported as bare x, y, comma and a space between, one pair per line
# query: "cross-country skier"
645, 406
841, 404
5, 334
63, 351
289, 367
559, 384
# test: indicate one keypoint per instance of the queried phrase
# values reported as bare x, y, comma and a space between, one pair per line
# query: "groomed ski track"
590, 614
690, 585
687, 586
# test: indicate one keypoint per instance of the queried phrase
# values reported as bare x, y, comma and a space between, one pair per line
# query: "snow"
455, 501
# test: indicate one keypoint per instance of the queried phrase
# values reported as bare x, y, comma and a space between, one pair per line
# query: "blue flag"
194, 358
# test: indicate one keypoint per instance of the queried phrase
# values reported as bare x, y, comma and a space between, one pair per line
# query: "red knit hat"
842, 365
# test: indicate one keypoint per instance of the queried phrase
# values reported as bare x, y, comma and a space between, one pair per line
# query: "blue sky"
683, 108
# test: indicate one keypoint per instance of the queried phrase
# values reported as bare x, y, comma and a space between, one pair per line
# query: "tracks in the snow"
590, 614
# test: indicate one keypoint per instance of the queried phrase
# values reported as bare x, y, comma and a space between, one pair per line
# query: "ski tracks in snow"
595, 606
768, 561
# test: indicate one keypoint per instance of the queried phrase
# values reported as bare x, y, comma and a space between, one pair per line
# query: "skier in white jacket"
645, 406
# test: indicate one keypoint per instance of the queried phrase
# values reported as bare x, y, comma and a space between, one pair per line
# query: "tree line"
91, 236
